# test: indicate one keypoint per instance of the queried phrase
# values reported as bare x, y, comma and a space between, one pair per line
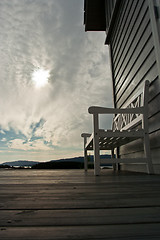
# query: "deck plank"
76, 217
136, 232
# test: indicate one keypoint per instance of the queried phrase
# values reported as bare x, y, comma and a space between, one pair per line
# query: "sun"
40, 77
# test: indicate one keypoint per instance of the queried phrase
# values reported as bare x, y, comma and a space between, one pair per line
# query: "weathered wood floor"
67, 204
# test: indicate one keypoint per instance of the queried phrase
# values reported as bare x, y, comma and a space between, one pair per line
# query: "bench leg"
147, 153
113, 156
117, 155
85, 154
85, 160
96, 157
96, 145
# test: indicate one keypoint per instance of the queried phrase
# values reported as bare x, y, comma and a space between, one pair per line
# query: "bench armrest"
103, 110
86, 135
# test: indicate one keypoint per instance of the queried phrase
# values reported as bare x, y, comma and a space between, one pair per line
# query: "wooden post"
96, 145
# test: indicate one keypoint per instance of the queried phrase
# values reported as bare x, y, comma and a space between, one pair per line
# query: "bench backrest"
129, 121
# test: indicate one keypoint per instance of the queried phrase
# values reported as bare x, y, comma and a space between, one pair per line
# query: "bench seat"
109, 139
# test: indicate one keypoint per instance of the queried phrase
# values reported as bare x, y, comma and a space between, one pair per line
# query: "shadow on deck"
68, 204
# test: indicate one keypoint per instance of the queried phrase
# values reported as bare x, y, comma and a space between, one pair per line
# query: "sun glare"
40, 77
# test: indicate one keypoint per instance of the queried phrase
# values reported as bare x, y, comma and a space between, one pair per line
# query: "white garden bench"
129, 123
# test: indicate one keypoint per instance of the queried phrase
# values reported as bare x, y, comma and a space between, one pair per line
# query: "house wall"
135, 56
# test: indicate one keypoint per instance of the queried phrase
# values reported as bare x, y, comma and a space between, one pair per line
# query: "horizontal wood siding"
134, 61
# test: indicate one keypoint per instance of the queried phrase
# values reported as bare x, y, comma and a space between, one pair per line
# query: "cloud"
50, 35
3, 140
2, 132
36, 145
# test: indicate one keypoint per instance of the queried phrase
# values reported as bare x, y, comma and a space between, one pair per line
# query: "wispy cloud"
29, 145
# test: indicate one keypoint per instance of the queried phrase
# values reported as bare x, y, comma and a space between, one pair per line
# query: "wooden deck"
67, 204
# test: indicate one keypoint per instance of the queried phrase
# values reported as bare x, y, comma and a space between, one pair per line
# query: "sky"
51, 71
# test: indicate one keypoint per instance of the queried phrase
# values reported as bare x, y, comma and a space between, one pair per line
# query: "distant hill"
20, 163
81, 159
67, 163
75, 159
59, 165
76, 162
